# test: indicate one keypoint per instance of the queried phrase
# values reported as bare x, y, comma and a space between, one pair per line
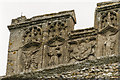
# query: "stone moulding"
42, 19
107, 6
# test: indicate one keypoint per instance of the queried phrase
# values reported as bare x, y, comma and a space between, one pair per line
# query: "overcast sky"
10, 9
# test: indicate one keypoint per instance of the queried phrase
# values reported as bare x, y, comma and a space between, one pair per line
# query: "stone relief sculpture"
32, 34
49, 40
82, 50
57, 28
57, 33
109, 44
108, 31
55, 50
31, 51
109, 17
31, 58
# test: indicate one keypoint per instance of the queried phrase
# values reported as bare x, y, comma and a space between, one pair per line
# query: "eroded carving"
57, 28
109, 17
30, 59
31, 56
33, 34
109, 43
82, 50
50, 40
55, 46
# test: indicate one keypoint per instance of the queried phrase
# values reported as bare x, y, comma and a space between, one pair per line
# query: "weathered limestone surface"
107, 21
39, 44
103, 68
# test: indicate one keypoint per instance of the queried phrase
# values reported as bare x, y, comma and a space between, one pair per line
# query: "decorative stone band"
107, 6
103, 68
77, 34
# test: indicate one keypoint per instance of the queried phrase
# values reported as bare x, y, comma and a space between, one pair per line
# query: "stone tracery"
109, 17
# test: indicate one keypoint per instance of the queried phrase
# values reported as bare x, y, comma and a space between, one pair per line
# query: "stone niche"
107, 21
39, 42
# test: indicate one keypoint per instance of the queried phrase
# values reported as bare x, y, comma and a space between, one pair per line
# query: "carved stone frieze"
107, 23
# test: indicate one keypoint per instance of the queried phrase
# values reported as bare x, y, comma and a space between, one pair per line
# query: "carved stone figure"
55, 46
30, 59
109, 44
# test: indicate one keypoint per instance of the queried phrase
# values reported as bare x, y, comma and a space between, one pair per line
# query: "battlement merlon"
23, 21
103, 6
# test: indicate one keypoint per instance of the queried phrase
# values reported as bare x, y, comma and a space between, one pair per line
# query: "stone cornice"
42, 19
107, 6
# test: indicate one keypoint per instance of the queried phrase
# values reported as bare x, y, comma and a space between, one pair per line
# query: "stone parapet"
23, 21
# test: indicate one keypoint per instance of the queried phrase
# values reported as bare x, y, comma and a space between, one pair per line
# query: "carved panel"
55, 50
31, 58
109, 43
57, 28
32, 34
82, 50
108, 18
55, 47
31, 54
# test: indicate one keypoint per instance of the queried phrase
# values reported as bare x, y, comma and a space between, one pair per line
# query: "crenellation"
50, 40
83, 35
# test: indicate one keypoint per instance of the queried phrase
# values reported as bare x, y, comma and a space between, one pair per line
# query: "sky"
10, 9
